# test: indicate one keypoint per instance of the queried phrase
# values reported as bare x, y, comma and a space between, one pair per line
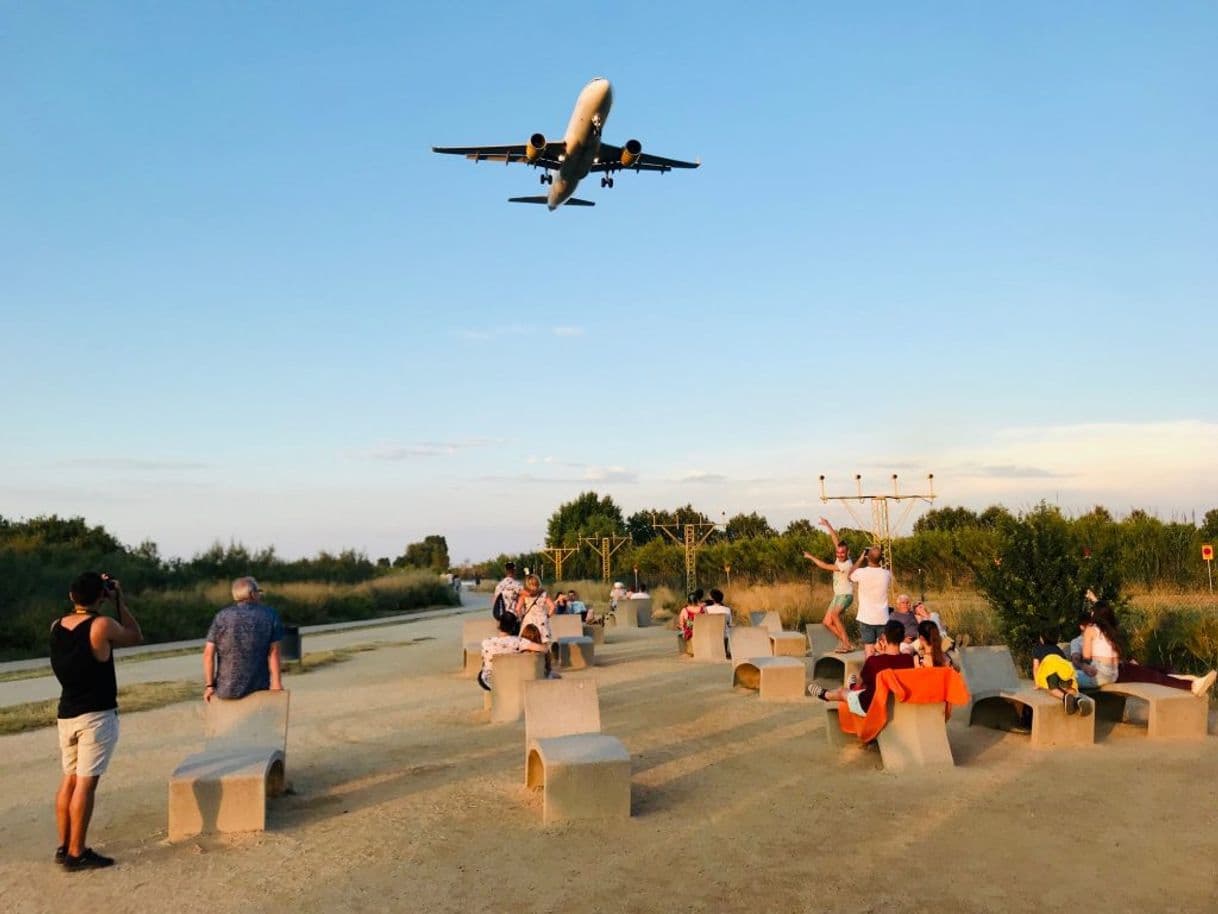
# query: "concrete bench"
997, 695
595, 632
583, 773
707, 642
915, 736
509, 674
632, 613
773, 678
747, 643
224, 788
1171, 713
828, 665
473, 633
571, 647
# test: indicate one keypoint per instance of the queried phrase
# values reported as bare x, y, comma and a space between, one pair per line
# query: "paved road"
426, 624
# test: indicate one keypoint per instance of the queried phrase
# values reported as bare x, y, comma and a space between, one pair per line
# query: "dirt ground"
406, 799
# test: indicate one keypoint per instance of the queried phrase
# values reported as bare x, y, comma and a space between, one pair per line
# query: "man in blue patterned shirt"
242, 650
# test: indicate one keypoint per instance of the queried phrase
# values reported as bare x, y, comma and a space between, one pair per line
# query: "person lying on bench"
1053, 672
529, 639
888, 656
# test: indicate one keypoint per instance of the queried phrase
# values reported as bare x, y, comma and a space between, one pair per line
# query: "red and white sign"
1207, 553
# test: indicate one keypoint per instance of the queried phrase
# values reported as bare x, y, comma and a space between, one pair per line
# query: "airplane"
580, 152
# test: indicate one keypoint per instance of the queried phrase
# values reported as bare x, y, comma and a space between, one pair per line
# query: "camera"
108, 583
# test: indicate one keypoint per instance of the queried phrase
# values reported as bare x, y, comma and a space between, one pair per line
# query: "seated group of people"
902, 645
1097, 657
698, 603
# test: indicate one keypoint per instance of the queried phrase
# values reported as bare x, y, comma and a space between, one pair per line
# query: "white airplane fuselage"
583, 140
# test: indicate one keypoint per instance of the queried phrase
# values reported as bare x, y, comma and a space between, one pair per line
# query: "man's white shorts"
87, 742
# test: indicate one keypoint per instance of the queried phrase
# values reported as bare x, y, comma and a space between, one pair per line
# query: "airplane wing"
509, 154
611, 160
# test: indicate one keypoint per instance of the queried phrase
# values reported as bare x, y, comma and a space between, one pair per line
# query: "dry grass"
144, 696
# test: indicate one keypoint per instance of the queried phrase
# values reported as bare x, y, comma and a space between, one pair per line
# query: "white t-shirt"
841, 577
874, 584
640, 595
720, 609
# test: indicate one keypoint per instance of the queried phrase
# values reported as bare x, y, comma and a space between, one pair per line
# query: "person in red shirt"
888, 656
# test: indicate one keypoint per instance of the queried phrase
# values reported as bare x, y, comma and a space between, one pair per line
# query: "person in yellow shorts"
1053, 671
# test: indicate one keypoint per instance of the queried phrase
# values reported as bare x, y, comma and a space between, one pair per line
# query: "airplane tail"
571, 201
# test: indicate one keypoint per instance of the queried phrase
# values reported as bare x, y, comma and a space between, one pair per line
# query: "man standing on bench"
82, 657
242, 650
843, 590
888, 656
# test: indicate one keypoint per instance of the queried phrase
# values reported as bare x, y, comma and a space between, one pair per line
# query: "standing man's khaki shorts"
87, 742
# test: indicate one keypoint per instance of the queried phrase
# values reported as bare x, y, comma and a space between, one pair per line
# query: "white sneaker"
1205, 683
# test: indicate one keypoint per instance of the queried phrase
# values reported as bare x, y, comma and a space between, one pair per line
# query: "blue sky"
242, 299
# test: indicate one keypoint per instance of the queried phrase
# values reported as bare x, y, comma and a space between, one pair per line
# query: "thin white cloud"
1008, 471
132, 463
701, 477
610, 474
422, 449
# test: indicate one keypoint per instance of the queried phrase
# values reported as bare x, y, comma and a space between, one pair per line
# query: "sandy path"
408, 801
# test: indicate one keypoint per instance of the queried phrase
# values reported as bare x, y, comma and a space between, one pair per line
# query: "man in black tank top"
82, 656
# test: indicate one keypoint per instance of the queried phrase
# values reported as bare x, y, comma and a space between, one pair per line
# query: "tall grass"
184, 614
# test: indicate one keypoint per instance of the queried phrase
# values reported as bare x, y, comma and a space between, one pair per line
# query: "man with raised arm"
82, 657
843, 591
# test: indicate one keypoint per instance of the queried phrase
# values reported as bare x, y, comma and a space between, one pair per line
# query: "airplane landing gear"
606, 182
546, 179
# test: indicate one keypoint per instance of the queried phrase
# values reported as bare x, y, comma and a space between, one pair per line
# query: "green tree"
1037, 579
588, 514
431, 553
749, 526
946, 519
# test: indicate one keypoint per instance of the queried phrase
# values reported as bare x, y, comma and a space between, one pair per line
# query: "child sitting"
888, 656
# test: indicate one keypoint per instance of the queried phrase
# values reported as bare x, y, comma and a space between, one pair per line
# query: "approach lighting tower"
881, 525
605, 546
558, 555
692, 535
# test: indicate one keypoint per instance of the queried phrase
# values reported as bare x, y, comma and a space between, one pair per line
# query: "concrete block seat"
571, 647
473, 633
632, 613
1172, 714
583, 773
773, 678
225, 787
997, 696
907, 718
595, 632
707, 642
509, 675
747, 642
827, 664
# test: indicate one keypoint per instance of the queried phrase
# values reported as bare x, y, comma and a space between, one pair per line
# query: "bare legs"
73, 810
833, 622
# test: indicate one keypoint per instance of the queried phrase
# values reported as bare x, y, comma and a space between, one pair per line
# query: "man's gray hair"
244, 589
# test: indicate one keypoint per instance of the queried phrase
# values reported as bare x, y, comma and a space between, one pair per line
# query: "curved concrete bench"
707, 642
473, 633
632, 613
773, 678
915, 736
997, 693
224, 788
583, 773
789, 644
747, 642
827, 664
595, 632
509, 675
1171, 713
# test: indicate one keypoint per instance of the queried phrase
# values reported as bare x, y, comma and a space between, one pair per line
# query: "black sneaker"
61, 853
89, 860
1071, 702
1086, 706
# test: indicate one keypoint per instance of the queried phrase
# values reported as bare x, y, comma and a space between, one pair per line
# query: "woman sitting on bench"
1102, 649
529, 639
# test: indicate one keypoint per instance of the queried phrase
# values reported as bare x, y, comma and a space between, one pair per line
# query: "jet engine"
631, 152
535, 148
